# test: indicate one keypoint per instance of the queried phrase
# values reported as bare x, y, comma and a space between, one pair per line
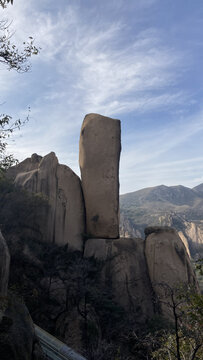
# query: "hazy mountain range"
176, 206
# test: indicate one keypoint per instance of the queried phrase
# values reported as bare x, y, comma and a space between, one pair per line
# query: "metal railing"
54, 348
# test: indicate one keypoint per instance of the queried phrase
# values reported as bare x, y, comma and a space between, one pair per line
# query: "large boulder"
62, 222
125, 271
168, 262
100, 147
167, 258
4, 266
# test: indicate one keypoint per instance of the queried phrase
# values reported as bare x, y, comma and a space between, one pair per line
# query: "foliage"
186, 339
18, 60
199, 266
6, 129
55, 283
3, 3
10, 55
20, 211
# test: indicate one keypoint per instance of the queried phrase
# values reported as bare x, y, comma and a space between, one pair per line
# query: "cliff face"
125, 272
56, 265
63, 220
167, 258
168, 264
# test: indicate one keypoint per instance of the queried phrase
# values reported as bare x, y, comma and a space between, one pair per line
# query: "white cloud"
107, 78
96, 67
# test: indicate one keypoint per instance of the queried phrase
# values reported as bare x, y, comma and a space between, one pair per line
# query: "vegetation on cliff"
14, 59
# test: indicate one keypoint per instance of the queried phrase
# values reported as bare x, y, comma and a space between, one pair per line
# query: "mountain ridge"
177, 206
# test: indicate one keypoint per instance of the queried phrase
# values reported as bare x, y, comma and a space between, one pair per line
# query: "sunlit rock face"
125, 273
168, 261
167, 258
4, 266
62, 222
100, 148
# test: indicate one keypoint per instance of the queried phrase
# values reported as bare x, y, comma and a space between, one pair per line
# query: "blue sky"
136, 60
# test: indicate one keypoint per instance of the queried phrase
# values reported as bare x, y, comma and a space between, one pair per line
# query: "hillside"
176, 206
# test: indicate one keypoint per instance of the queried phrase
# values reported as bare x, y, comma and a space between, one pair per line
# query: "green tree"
185, 342
18, 60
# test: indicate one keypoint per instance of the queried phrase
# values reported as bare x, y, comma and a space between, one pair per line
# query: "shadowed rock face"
125, 271
63, 220
4, 266
17, 335
99, 163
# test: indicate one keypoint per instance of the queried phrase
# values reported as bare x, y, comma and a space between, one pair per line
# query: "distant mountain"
176, 206
199, 188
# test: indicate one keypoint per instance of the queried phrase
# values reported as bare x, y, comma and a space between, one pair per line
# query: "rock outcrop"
125, 272
168, 261
26, 165
99, 163
129, 268
63, 220
167, 258
4, 266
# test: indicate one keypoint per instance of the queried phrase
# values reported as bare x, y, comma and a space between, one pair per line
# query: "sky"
140, 61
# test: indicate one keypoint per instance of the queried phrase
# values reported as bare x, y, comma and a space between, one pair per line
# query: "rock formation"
168, 261
62, 222
130, 267
4, 266
125, 272
99, 163
167, 258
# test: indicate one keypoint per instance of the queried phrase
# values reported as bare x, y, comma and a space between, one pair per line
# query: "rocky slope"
176, 206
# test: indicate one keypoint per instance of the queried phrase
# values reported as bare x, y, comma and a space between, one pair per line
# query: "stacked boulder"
91, 206
124, 269
132, 266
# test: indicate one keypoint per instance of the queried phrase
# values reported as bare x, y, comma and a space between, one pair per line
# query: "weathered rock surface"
4, 266
99, 163
167, 258
125, 271
168, 262
25, 165
63, 221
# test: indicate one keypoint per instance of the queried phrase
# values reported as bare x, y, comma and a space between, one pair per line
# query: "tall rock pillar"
100, 147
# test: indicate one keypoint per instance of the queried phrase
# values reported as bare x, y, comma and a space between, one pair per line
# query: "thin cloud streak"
103, 73
145, 159
94, 66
